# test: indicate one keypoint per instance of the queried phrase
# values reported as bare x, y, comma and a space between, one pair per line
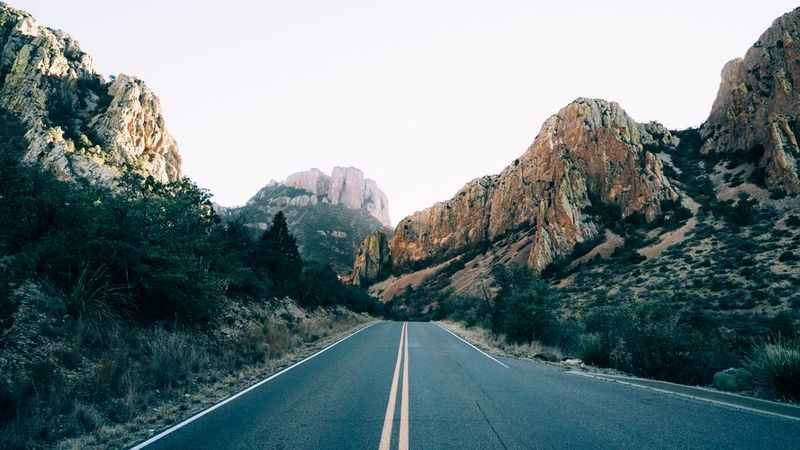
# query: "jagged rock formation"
592, 156
757, 109
345, 186
590, 151
373, 260
78, 125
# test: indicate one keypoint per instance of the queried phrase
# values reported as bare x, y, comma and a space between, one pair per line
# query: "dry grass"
498, 344
89, 394
776, 367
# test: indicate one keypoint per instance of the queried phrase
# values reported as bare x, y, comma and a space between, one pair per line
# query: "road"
418, 386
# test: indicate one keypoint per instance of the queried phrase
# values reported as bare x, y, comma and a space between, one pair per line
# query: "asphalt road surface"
415, 385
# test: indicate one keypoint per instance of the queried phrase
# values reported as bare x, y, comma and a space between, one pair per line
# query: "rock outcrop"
79, 125
757, 109
373, 260
345, 186
591, 151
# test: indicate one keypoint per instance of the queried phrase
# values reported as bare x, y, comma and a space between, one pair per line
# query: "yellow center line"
386, 435
403, 440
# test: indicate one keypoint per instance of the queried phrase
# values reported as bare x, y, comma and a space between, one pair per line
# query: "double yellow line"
388, 420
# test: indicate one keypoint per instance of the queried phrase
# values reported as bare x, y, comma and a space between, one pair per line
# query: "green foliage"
741, 213
276, 253
317, 227
775, 364
652, 340
673, 214
320, 286
530, 314
147, 251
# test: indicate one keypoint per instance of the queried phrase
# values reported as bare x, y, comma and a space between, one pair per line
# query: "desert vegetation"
114, 302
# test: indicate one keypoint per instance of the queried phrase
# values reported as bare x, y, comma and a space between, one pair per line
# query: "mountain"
601, 204
756, 109
345, 186
329, 215
589, 156
77, 124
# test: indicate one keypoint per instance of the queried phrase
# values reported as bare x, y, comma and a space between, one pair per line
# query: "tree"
530, 314
277, 253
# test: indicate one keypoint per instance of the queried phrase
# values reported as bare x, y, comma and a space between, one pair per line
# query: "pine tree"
277, 253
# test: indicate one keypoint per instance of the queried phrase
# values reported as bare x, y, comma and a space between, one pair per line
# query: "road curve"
433, 391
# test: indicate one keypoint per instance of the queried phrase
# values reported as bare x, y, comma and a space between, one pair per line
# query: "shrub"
788, 256
593, 351
85, 418
171, 358
775, 364
530, 315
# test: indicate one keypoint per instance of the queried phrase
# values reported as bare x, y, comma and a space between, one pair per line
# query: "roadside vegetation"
113, 304
644, 337
724, 296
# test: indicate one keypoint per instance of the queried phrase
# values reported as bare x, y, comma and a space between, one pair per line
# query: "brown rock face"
345, 186
78, 125
373, 261
589, 147
758, 105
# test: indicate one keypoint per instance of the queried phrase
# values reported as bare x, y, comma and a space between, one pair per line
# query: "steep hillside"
326, 232
600, 204
77, 124
125, 303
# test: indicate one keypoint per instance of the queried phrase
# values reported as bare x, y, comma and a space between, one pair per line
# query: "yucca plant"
94, 301
775, 364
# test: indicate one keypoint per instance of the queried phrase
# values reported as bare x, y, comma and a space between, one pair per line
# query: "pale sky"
421, 95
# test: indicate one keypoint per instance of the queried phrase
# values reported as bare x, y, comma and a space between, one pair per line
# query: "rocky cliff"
79, 125
758, 106
345, 186
591, 151
592, 156
373, 260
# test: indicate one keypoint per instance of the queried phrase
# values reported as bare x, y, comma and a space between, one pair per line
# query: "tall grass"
775, 364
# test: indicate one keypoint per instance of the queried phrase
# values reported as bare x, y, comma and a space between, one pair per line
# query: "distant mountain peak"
345, 186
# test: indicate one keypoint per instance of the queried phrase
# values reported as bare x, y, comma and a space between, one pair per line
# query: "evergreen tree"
277, 253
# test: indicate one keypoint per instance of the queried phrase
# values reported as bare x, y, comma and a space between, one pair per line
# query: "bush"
788, 256
171, 358
530, 315
775, 365
593, 351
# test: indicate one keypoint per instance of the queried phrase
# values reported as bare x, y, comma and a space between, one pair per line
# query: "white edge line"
476, 348
701, 388
689, 396
240, 393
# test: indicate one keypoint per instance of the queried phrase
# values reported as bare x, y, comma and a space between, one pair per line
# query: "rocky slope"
590, 153
328, 218
345, 186
79, 125
596, 185
757, 107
